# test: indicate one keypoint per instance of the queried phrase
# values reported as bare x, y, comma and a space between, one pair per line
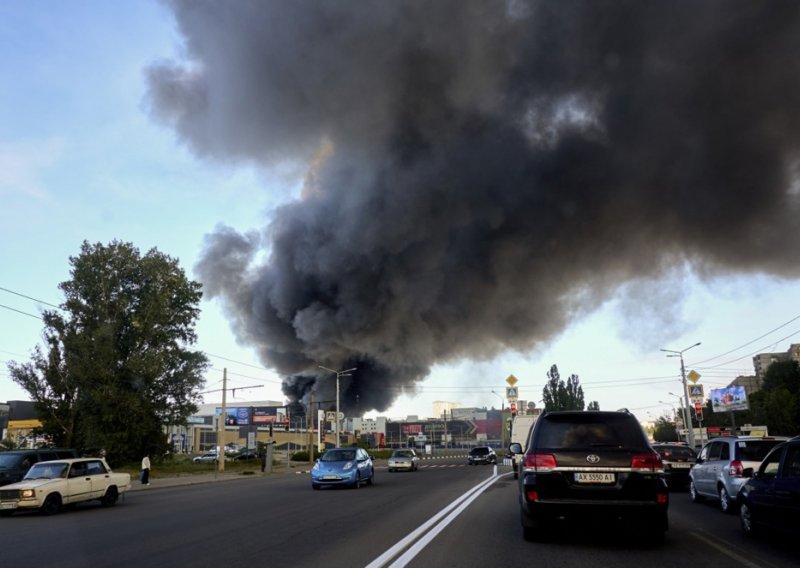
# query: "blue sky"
80, 159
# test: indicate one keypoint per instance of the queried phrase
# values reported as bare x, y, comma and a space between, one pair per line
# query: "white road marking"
419, 538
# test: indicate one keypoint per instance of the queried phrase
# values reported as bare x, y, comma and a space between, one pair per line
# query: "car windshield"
479, 451
339, 455
47, 471
588, 431
402, 454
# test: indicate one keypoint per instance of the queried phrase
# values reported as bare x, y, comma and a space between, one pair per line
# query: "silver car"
403, 459
718, 473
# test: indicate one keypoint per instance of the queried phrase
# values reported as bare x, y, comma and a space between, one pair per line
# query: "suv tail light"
736, 469
646, 462
539, 462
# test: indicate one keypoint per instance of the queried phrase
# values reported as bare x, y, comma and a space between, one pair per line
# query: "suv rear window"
479, 451
674, 452
590, 430
754, 450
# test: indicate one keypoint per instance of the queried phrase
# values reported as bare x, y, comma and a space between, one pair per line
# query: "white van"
520, 430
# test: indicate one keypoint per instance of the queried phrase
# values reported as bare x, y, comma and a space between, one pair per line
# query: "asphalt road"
446, 514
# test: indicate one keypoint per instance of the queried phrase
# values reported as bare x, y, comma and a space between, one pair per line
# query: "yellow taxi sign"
512, 380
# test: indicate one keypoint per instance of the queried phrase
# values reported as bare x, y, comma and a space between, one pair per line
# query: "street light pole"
338, 374
688, 410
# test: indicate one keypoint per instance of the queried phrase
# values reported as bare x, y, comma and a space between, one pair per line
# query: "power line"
750, 342
20, 311
30, 298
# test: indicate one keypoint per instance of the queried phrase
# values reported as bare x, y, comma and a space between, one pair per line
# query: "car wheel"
51, 505
6, 513
390, 470
315, 486
371, 479
110, 498
693, 494
749, 527
725, 502
357, 482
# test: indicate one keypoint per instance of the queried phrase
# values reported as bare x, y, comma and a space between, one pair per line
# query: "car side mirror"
748, 472
515, 448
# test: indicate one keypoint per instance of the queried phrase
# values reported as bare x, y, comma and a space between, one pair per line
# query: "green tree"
116, 366
558, 395
664, 430
594, 405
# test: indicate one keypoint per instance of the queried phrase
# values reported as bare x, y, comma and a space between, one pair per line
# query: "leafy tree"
116, 367
664, 430
558, 395
594, 405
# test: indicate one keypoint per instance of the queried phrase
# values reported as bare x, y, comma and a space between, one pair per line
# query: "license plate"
595, 478
330, 477
10, 505
681, 465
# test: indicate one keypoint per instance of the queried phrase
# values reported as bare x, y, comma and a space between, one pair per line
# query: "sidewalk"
158, 482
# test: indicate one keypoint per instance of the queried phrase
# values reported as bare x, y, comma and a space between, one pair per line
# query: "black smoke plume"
481, 173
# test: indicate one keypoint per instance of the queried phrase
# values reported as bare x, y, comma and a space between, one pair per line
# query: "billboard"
729, 398
267, 414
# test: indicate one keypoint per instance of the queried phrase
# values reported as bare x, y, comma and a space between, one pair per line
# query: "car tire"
749, 526
315, 486
51, 505
110, 498
390, 470
725, 502
6, 513
357, 482
693, 494
371, 479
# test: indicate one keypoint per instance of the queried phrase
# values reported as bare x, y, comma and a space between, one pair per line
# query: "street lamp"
685, 389
338, 374
502, 401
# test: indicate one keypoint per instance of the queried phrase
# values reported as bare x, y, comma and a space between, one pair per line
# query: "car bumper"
401, 465
333, 479
594, 513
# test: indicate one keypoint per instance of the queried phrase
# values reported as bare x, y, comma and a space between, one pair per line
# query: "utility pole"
687, 409
222, 417
345, 373
310, 419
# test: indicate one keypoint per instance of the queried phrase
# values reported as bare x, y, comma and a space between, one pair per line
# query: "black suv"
481, 454
14, 464
591, 467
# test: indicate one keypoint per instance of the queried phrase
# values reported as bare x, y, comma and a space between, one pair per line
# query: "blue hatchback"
343, 466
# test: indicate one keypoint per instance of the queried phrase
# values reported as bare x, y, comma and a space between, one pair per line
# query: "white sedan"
403, 459
50, 484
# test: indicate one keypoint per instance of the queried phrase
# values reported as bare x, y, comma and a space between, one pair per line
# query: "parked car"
678, 460
481, 454
15, 464
403, 459
343, 466
593, 468
208, 457
770, 498
719, 471
244, 456
50, 484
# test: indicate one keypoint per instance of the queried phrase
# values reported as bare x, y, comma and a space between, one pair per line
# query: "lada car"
595, 469
49, 485
404, 459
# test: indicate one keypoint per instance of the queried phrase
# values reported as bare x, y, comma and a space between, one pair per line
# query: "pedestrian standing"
145, 478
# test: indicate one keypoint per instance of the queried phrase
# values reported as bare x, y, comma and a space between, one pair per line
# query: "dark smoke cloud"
481, 173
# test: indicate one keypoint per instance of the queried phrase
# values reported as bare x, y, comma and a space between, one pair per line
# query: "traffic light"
698, 411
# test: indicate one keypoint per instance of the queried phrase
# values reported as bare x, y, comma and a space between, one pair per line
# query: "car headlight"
348, 465
27, 494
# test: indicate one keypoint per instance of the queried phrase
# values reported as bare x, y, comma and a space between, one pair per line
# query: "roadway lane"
280, 521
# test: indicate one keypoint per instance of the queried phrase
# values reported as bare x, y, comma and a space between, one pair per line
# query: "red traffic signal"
513, 408
698, 411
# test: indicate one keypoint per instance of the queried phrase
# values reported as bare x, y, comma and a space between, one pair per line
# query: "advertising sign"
729, 398
235, 416
265, 414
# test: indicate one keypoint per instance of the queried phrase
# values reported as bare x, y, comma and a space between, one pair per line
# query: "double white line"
426, 532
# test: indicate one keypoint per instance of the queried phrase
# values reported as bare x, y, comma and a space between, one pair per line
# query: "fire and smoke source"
480, 173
